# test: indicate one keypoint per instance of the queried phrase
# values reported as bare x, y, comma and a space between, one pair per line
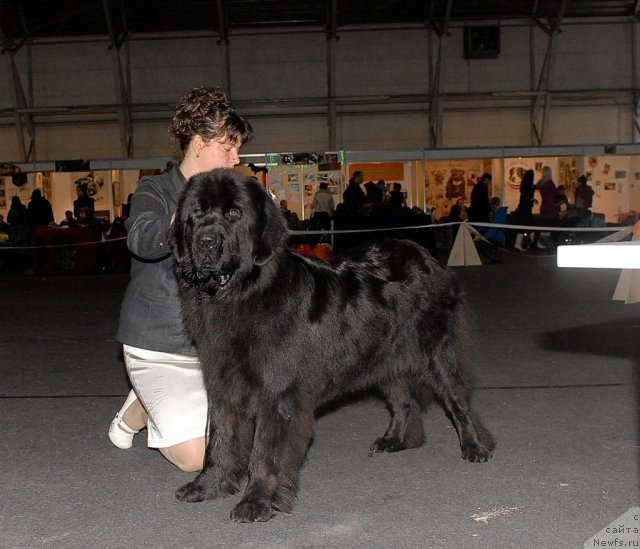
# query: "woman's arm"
148, 224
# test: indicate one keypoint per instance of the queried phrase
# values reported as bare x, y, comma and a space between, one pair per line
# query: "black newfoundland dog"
280, 334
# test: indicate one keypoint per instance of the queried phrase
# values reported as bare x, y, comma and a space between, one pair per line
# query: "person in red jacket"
584, 198
548, 210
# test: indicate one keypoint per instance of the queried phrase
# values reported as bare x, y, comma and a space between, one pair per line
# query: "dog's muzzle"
208, 251
208, 242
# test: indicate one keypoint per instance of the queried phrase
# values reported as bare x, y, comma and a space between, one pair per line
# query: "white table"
611, 255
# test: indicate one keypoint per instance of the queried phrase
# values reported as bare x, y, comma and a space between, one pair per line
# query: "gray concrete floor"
558, 382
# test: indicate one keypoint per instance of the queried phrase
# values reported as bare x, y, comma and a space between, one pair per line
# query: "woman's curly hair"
207, 112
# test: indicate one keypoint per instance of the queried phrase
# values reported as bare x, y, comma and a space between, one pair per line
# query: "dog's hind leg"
454, 393
280, 444
405, 429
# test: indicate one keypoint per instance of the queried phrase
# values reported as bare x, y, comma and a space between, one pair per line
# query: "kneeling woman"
168, 395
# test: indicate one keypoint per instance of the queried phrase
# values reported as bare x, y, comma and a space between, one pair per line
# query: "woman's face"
218, 154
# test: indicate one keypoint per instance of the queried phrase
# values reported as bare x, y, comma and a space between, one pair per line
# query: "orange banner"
387, 171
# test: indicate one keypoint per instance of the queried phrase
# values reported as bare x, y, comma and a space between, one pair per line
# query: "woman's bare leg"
188, 455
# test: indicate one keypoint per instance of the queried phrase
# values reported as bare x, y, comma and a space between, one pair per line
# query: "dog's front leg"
280, 443
225, 460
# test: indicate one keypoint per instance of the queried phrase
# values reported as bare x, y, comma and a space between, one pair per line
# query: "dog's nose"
208, 242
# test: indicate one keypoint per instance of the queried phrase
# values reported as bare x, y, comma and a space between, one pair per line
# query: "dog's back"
380, 306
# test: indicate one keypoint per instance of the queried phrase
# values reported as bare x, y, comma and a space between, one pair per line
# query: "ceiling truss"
24, 22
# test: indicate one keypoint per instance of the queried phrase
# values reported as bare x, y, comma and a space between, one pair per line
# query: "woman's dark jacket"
150, 317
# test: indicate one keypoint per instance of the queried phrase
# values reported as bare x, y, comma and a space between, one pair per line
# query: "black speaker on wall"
481, 42
72, 165
19, 178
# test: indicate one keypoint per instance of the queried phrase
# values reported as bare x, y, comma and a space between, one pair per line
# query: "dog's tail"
466, 335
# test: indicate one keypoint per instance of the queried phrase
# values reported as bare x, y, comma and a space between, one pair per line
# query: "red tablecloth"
64, 250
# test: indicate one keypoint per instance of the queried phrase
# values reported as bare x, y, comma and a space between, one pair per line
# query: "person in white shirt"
323, 201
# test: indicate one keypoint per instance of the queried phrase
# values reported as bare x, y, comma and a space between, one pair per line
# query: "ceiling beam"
332, 38
541, 107
223, 40
23, 121
436, 109
122, 94
635, 75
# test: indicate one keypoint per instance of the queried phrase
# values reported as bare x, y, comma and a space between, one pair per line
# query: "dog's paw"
195, 491
476, 453
387, 445
252, 511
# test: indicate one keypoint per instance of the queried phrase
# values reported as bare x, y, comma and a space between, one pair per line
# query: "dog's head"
225, 228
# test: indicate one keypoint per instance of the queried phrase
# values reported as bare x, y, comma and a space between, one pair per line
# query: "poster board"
446, 181
295, 177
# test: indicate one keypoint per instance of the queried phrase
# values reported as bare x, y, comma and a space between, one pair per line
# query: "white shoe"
120, 434
518, 245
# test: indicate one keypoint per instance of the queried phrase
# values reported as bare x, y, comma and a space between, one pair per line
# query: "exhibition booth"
434, 180
431, 180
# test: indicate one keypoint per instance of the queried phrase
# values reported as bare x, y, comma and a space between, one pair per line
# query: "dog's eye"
198, 213
234, 214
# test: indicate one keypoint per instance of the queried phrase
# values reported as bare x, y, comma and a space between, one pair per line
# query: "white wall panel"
84, 141
72, 74
593, 57
288, 135
161, 70
8, 144
456, 74
486, 128
153, 139
6, 91
382, 63
278, 66
384, 131
590, 125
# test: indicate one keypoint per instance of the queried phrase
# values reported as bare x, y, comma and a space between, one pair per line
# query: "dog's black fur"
279, 335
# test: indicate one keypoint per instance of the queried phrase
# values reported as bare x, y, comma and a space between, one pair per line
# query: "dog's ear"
270, 230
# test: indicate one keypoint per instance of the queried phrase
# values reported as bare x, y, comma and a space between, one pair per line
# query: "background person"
322, 207
396, 197
583, 199
19, 233
479, 201
83, 200
126, 207
353, 195
69, 220
293, 221
548, 209
39, 210
523, 214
